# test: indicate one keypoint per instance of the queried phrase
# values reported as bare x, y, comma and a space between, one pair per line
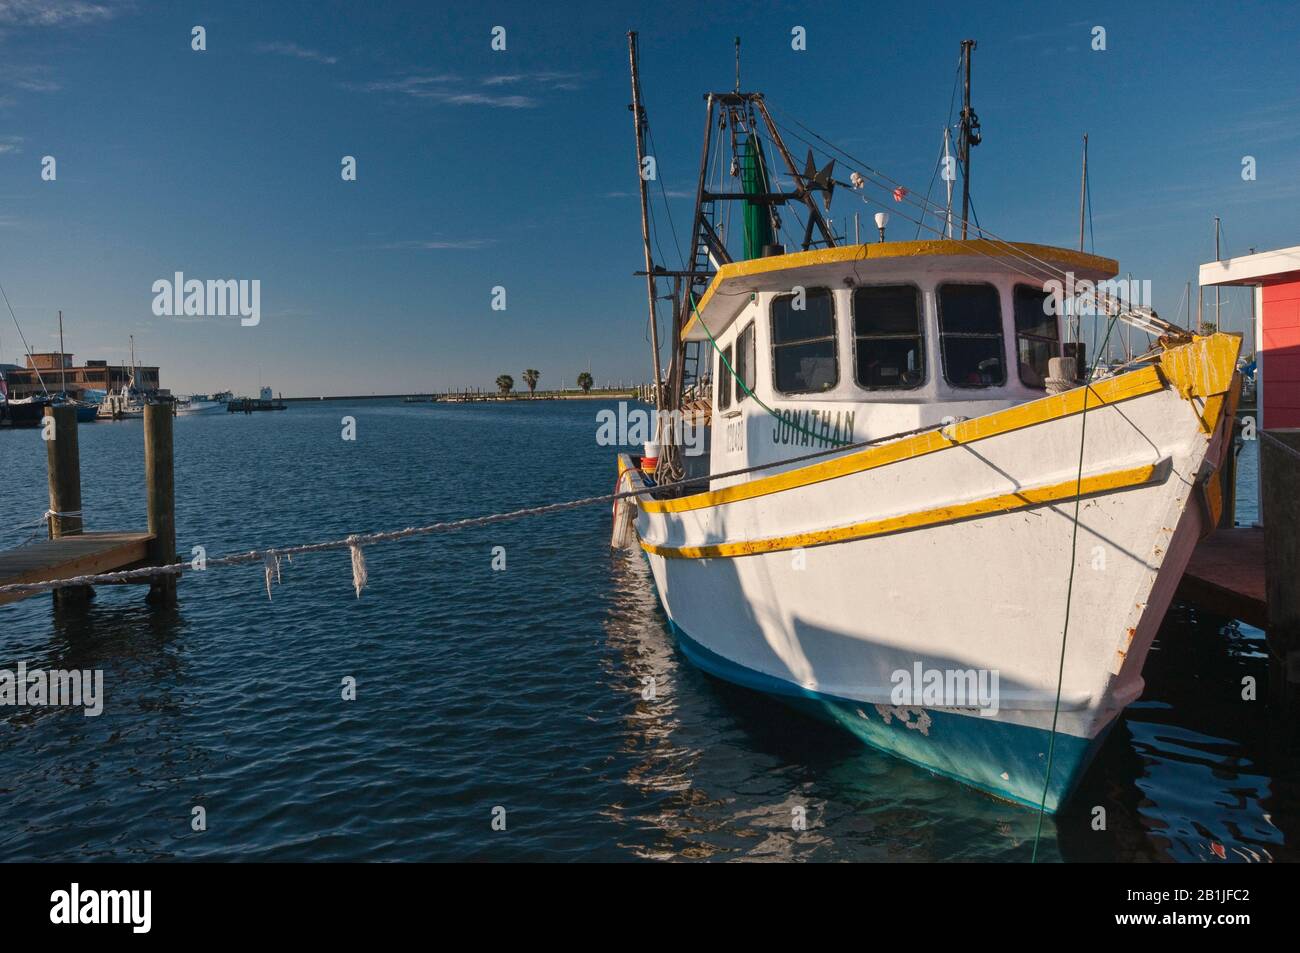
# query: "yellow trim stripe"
1003, 503
1137, 383
982, 248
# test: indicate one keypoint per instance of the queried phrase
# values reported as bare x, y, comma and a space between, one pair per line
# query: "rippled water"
519, 689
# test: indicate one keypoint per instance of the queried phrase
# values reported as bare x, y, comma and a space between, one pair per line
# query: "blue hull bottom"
1006, 760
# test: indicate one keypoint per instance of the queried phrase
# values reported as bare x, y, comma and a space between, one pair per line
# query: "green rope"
758, 400
1069, 591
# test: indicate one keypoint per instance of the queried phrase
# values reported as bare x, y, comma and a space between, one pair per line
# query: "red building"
1275, 276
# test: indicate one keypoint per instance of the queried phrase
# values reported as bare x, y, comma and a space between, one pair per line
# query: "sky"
480, 168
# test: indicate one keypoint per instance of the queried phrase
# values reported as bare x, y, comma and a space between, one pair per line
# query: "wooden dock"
70, 556
71, 551
1226, 576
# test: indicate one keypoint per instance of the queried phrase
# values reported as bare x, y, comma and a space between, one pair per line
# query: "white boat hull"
953, 552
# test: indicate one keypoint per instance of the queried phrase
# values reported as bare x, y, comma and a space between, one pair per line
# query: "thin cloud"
56, 12
27, 78
671, 193
456, 90
546, 80
298, 52
11, 144
442, 244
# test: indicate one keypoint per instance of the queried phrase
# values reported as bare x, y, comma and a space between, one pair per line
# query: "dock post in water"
160, 486
1280, 509
63, 460
1228, 476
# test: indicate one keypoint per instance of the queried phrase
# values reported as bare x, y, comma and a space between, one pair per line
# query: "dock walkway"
1226, 575
70, 556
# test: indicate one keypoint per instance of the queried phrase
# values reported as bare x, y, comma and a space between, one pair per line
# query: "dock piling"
63, 463
1280, 510
160, 486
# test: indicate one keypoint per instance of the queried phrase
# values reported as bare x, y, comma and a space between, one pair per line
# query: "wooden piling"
63, 462
160, 486
1280, 512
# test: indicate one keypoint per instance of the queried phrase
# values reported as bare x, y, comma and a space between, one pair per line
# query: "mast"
639, 121
1083, 190
63, 361
970, 133
1218, 314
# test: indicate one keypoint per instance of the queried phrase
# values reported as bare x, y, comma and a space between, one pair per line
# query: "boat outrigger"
917, 516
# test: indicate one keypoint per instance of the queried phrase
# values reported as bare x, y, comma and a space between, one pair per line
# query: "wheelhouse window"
724, 378
745, 371
1037, 335
970, 335
888, 340
803, 343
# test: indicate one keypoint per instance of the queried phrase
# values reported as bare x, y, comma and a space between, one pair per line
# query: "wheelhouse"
858, 342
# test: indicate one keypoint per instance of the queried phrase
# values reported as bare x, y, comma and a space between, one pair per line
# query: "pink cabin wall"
1281, 354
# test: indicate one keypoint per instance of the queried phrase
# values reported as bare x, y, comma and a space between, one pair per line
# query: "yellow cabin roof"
732, 286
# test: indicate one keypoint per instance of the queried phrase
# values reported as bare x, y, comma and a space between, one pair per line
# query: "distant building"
93, 375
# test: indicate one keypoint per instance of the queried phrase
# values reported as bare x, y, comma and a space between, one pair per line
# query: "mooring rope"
354, 542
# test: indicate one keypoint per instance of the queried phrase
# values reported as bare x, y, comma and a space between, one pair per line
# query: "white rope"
270, 557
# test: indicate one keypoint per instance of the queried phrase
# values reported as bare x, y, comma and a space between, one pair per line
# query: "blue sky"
479, 168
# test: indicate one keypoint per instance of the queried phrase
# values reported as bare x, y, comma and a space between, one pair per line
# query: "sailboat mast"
1083, 190
639, 121
63, 360
1218, 305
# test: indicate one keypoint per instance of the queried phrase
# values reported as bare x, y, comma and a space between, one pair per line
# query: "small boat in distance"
266, 400
127, 403
21, 412
204, 403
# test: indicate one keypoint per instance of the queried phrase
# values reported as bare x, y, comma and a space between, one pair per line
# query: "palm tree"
505, 384
531, 377
585, 381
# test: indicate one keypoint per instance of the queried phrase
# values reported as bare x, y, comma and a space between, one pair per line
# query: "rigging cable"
1069, 593
23, 338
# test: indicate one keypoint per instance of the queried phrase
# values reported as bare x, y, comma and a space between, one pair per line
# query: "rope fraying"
271, 567
359, 575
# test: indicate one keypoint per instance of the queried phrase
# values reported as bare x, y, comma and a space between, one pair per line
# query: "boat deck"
70, 556
1226, 575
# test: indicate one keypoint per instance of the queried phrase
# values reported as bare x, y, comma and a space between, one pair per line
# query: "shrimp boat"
906, 493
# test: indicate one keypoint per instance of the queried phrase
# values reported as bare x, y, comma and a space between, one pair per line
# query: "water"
518, 689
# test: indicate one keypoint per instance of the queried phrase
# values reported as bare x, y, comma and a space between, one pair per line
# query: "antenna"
737, 64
